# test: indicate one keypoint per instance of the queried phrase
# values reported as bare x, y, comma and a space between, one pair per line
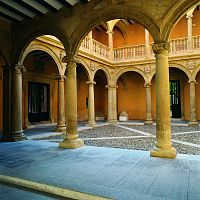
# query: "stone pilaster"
112, 103
148, 120
147, 45
110, 44
91, 109
163, 147
61, 126
71, 139
17, 132
193, 120
189, 23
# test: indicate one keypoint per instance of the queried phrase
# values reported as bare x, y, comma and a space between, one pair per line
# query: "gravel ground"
145, 143
152, 128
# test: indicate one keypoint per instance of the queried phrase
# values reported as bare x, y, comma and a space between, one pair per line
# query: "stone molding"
91, 82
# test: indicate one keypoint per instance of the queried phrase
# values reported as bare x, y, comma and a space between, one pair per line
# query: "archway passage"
82, 93
179, 90
101, 96
40, 88
131, 96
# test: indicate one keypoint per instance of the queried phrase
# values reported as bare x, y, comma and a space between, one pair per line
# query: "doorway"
38, 102
175, 100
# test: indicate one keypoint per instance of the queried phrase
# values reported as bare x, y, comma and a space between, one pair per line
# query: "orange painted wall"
101, 96
198, 96
82, 94
1, 93
131, 95
134, 35
100, 36
196, 22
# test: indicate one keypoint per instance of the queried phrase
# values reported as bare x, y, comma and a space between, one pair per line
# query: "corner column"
147, 46
112, 103
17, 132
61, 126
189, 23
71, 139
163, 147
91, 110
148, 120
110, 43
193, 119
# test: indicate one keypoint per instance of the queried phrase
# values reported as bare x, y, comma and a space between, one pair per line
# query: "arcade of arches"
93, 70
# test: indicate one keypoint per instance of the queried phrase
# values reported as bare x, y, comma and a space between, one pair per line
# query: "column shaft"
193, 120
71, 138
61, 105
148, 105
91, 110
190, 40
110, 44
147, 46
17, 131
112, 103
163, 146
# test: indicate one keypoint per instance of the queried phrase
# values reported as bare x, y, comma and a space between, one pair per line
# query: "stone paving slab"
114, 173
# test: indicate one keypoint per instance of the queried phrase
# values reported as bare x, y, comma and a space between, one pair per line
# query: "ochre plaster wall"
135, 35
198, 96
100, 36
131, 95
82, 94
101, 96
196, 22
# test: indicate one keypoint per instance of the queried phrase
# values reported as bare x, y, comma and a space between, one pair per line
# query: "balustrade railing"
133, 52
196, 42
136, 51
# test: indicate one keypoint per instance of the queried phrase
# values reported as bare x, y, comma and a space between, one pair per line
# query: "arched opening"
197, 90
40, 88
131, 96
82, 93
179, 94
101, 96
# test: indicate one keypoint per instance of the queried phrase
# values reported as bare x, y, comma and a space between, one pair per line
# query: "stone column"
189, 23
163, 147
71, 139
61, 126
91, 110
110, 44
112, 103
193, 120
90, 41
17, 132
147, 46
148, 120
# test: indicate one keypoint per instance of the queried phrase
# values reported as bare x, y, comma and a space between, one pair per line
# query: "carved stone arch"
86, 67
130, 70
195, 72
45, 48
25, 38
124, 11
172, 16
173, 65
105, 70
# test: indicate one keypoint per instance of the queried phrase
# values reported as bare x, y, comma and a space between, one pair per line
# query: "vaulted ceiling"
18, 10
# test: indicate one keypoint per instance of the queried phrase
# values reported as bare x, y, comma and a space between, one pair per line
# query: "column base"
91, 124
60, 129
148, 122
163, 153
112, 121
193, 123
71, 144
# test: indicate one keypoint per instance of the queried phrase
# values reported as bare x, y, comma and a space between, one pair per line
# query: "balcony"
178, 47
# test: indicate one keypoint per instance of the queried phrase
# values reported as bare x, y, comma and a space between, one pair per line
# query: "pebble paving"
119, 137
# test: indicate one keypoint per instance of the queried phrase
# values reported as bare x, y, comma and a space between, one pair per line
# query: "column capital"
147, 85
61, 77
111, 86
110, 32
69, 58
20, 68
6, 66
91, 82
161, 48
192, 81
